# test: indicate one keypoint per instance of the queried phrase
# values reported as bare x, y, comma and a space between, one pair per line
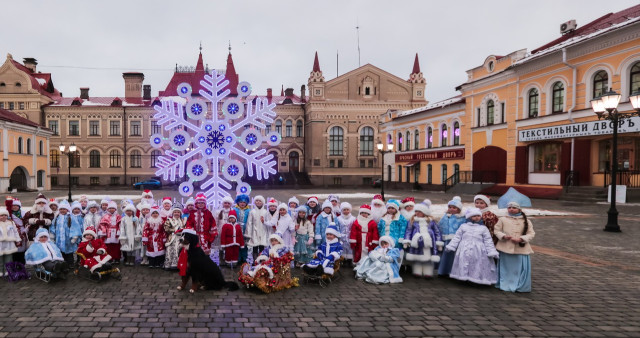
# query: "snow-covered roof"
42, 82
439, 104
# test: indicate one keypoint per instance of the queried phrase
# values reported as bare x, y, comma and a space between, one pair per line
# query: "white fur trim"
101, 262
483, 198
262, 258
328, 271
101, 251
435, 258
395, 280
439, 243
335, 255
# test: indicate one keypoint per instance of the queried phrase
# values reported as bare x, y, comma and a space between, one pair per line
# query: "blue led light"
201, 139
233, 108
208, 151
229, 139
208, 127
274, 138
233, 170
196, 109
184, 90
179, 140
244, 89
252, 139
243, 190
197, 170
185, 189
222, 151
222, 127
157, 140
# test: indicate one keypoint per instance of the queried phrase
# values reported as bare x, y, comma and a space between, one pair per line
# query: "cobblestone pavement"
585, 284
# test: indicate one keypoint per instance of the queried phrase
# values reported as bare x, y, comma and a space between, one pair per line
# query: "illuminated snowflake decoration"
219, 149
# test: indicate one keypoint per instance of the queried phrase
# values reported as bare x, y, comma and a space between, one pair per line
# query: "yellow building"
24, 149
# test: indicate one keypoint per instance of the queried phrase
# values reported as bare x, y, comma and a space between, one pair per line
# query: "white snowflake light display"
229, 140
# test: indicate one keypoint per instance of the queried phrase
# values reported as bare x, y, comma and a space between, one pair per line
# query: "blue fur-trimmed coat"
39, 253
328, 252
419, 249
449, 224
243, 216
62, 232
322, 222
397, 228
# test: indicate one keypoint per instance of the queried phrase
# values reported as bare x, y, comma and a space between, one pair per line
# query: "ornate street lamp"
606, 107
382, 152
72, 149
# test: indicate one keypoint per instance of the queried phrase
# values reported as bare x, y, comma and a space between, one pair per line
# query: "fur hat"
393, 204
145, 194
105, 200
365, 208
189, 202
283, 206
176, 206
64, 205
485, 198
41, 199
243, 198
457, 198
302, 208
76, 205
53, 202
345, 205
258, 198
112, 204
513, 204
327, 204
277, 237
233, 214
423, 208
312, 199
200, 197
43, 232
130, 207
378, 198
17, 202
408, 201
332, 198
456, 203
90, 230
92, 204
332, 229
155, 209
82, 198
189, 230
272, 201
427, 202
473, 212
227, 199
4, 211
294, 200
167, 200
387, 239
145, 205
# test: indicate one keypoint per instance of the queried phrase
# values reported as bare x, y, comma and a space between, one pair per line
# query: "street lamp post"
382, 152
72, 149
606, 107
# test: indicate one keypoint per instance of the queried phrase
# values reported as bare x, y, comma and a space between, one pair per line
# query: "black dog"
201, 269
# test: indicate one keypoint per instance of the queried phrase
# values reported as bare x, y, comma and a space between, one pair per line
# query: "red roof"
44, 86
193, 78
101, 102
600, 23
316, 64
416, 66
7, 115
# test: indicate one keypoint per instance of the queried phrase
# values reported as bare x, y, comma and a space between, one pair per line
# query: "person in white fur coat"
284, 226
422, 241
93, 216
256, 230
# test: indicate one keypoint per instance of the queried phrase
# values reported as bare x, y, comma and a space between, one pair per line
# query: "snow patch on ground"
440, 209
99, 198
346, 196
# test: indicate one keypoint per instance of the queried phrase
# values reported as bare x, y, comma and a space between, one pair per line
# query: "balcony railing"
630, 178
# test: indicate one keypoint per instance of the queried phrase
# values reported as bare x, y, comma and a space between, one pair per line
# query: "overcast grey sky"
273, 42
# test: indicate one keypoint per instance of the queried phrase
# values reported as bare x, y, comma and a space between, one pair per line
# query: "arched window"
399, 146
289, 128
534, 99
490, 112
389, 139
54, 158
634, 77
444, 134
267, 128
94, 159
600, 83
416, 139
456, 133
366, 141
41, 148
299, 129
336, 140
408, 141
20, 145
154, 158
279, 127
443, 170
136, 159
114, 159
429, 137
558, 98
28, 146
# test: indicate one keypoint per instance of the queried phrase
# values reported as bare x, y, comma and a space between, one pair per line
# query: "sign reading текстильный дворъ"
591, 128
432, 155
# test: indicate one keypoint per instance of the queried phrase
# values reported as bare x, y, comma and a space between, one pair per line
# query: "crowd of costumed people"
375, 240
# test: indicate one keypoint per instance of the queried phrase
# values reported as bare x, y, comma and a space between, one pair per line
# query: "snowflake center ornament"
214, 148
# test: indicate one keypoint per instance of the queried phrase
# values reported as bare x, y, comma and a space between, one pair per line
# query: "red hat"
233, 213
167, 200
189, 230
155, 209
408, 201
90, 230
312, 198
148, 193
378, 197
272, 201
365, 207
201, 197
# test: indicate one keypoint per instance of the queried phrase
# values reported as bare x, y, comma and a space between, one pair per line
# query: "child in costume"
344, 222
393, 224
276, 249
92, 252
172, 226
242, 213
92, 217
382, 265
323, 220
77, 212
335, 205
189, 206
109, 231
130, 235
475, 253
256, 230
104, 205
284, 226
43, 251
9, 236
143, 213
66, 232
221, 219
304, 236
489, 219
22, 224
421, 242
378, 208
272, 212
514, 233
293, 206
232, 239
313, 209
407, 207
327, 254
364, 234
154, 238
449, 224
165, 212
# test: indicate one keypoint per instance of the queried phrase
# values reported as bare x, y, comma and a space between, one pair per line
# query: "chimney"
269, 93
84, 93
133, 85
303, 93
30, 63
288, 92
146, 90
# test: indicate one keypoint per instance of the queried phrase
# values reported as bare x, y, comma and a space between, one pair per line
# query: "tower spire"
316, 64
416, 66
